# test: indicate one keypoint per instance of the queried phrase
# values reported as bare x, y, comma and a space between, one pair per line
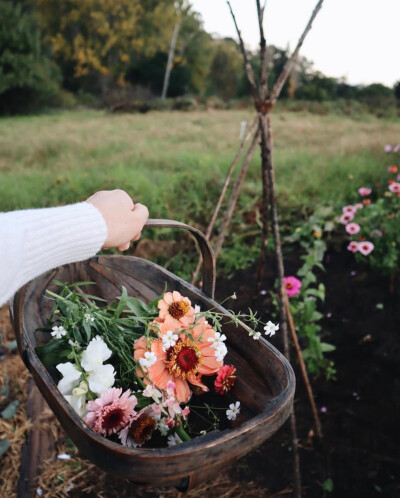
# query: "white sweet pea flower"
101, 379
221, 351
58, 332
77, 401
169, 340
217, 340
271, 328
95, 354
71, 377
152, 392
174, 439
233, 411
149, 359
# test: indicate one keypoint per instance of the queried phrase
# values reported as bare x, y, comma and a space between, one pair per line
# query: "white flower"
196, 309
63, 456
149, 359
271, 328
221, 351
174, 439
101, 379
95, 354
217, 340
58, 332
169, 340
233, 411
88, 317
256, 336
152, 392
71, 377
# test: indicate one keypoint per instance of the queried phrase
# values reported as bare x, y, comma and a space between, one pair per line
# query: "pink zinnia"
226, 378
111, 412
176, 309
349, 209
346, 217
395, 188
353, 246
364, 191
388, 148
365, 247
396, 148
352, 228
292, 285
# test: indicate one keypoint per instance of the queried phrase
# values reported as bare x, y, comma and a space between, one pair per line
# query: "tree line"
108, 52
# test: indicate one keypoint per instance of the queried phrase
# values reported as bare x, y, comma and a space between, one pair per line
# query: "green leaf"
87, 329
138, 307
4, 445
122, 302
77, 334
9, 410
53, 352
327, 348
327, 485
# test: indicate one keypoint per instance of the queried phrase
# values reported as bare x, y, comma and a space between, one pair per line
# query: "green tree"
28, 78
226, 69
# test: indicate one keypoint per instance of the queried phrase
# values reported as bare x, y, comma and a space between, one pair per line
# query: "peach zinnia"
183, 363
176, 309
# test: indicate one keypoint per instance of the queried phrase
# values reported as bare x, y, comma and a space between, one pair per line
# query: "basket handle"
205, 249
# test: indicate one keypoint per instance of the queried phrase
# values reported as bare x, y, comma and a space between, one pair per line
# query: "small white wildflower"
58, 332
74, 344
220, 352
169, 340
88, 317
256, 336
234, 296
149, 359
217, 340
174, 439
271, 328
233, 411
196, 309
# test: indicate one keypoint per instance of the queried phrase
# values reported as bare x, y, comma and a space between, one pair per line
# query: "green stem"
183, 434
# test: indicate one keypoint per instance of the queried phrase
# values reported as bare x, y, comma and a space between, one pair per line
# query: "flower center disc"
178, 309
113, 419
142, 428
289, 285
183, 358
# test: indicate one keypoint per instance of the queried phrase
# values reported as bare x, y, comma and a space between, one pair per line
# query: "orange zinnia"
177, 309
183, 363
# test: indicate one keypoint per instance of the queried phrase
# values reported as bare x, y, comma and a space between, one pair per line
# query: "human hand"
123, 218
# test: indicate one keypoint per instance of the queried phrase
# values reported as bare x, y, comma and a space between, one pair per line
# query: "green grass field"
176, 162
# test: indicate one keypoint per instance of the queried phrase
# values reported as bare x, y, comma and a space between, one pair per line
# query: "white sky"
355, 39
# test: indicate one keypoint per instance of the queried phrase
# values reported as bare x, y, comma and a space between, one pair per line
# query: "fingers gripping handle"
205, 249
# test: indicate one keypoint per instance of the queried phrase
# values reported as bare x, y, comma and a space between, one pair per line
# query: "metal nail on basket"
265, 380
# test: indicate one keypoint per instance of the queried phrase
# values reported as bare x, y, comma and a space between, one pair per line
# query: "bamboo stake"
235, 194
318, 428
223, 193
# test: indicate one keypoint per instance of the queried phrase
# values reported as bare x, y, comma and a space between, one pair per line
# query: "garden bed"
359, 411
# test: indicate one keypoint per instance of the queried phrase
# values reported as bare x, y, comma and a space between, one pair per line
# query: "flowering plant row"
129, 369
372, 223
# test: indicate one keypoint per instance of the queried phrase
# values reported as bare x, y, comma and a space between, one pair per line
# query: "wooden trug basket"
265, 380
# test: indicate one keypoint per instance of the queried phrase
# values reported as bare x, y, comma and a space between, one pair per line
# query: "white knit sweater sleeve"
36, 240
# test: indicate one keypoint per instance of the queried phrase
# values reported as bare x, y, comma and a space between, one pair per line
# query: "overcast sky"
355, 39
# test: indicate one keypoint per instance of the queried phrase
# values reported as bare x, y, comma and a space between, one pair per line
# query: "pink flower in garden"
396, 148
365, 247
364, 191
111, 412
353, 246
387, 148
393, 169
292, 285
349, 209
395, 188
398, 178
358, 205
346, 217
352, 228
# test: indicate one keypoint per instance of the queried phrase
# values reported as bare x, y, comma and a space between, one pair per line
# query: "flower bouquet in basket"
133, 370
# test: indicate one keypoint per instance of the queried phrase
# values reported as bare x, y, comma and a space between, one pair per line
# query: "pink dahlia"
292, 285
395, 188
364, 191
226, 378
111, 412
365, 247
353, 246
346, 217
352, 228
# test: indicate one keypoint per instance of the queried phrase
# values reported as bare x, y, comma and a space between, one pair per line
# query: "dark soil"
359, 410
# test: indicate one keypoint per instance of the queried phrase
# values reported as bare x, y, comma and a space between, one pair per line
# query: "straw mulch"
76, 477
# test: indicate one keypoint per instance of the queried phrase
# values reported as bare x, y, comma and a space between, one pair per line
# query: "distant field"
176, 162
